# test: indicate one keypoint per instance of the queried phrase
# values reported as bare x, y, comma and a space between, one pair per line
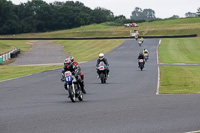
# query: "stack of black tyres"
14, 53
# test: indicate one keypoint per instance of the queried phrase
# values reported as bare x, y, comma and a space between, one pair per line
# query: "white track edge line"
158, 82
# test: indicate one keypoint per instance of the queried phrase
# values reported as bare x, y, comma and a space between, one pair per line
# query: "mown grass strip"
86, 50
179, 80
10, 72
7, 46
180, 50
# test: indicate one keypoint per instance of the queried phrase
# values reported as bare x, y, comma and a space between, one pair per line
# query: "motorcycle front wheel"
72, 95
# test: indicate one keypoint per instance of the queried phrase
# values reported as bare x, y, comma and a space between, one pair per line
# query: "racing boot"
82, 87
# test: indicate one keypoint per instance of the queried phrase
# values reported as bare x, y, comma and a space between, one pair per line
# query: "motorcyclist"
141, 56
145, 51
102, 58
76, 63
75, 69
136, 37
142, 39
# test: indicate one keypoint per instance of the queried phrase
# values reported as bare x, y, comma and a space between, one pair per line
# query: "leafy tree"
146, 14
120, 17
198, 12
175, 16
102, 15
190, 14
9, 21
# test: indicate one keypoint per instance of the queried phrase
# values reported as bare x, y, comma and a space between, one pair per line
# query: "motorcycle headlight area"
68, 79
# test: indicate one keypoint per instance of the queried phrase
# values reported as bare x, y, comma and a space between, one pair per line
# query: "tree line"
39, 16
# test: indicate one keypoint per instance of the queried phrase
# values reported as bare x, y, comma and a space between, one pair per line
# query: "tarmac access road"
127, 103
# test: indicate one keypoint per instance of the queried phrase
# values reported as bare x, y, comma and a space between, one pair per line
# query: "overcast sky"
162, 8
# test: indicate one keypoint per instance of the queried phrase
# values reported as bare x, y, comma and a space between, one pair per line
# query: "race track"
126, 104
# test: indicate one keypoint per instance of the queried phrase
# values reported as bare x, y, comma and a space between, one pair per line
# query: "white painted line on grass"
158, 82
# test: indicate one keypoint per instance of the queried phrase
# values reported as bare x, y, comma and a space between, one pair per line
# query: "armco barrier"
178, 36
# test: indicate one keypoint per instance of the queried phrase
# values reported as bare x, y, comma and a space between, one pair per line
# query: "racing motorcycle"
146, 56
140, 43
102, 68
141, 63
73, 87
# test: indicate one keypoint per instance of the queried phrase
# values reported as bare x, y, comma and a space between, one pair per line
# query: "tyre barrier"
97, 38
12, 54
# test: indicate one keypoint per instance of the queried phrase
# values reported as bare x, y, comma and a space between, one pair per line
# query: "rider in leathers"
141, 56
102, 58
75, 69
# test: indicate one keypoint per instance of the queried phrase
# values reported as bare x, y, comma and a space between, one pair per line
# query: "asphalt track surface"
126, 104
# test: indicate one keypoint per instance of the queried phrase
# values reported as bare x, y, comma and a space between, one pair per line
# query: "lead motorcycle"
141, 63
102, 68
73, 87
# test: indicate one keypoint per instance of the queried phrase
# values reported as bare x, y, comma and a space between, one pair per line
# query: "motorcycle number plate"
68, 79
141, 60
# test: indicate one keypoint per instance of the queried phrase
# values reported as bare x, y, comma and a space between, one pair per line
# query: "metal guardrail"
12, 54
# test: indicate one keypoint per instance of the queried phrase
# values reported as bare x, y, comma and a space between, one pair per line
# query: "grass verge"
86, 50
7, 46
19, 71
83, 50
180, 50
179, 80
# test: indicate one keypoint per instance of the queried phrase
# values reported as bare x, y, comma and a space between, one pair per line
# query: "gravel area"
42, 53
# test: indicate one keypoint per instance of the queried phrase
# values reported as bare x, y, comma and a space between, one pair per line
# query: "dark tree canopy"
146, 14
198, 11
190, 14
39, 16
175, 16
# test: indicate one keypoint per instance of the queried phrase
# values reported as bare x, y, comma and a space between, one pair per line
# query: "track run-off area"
127, 103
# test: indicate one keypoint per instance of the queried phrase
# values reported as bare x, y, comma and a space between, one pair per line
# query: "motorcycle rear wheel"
141, 67
102, 77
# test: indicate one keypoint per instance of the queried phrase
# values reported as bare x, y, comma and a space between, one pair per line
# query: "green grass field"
7, 46
179, 80
9, 72
182, 26
86, 50
180, 50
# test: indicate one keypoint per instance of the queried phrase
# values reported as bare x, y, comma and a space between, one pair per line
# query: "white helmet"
101, 56
145, 50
